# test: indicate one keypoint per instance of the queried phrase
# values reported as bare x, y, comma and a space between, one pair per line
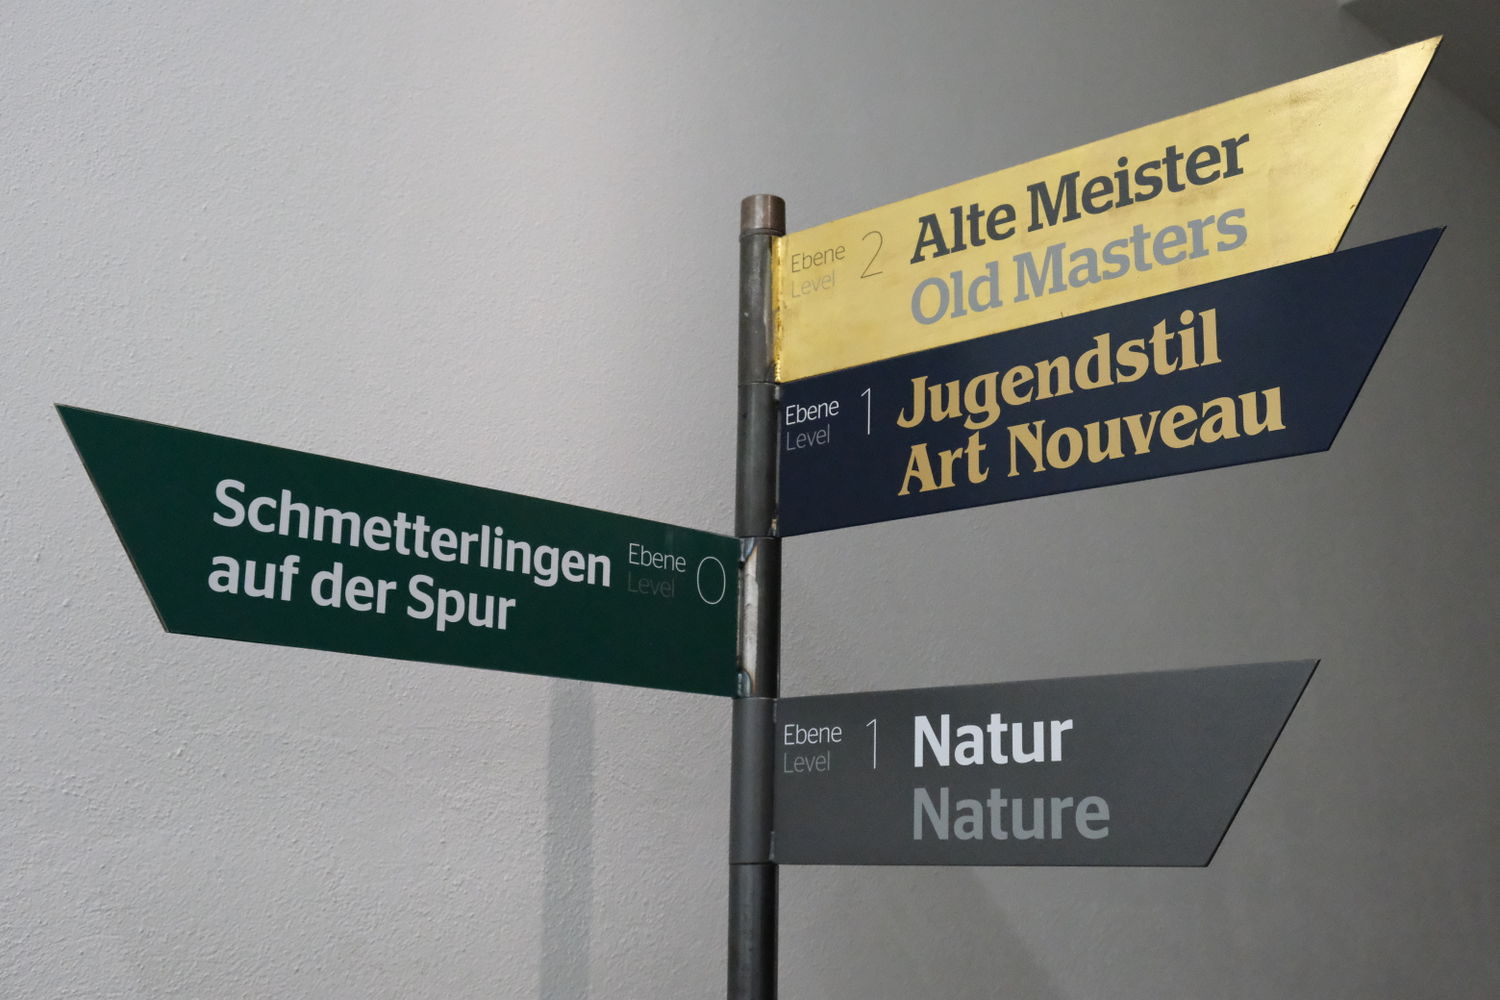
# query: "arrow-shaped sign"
237, 540
1255, 182
1258, 366
1126, 769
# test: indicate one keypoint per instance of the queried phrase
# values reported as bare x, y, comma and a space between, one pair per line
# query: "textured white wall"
495, 242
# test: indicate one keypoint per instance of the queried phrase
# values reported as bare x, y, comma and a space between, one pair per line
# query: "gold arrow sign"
1252, 183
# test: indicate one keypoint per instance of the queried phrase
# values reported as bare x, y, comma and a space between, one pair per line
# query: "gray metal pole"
752, 876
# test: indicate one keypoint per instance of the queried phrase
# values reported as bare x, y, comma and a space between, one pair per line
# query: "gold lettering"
979, 398
975, 447
1060, 459
945, 402
1062, 381
1132, 355
918, 466
1219, 421
1011, 384
918, 404
1099, 448
947, 458
1210, 336
1172, 421
1141, 436
1252, 421
1091, 370
1028, 436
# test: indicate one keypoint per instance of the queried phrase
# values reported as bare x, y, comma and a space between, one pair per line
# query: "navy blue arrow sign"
1259, 366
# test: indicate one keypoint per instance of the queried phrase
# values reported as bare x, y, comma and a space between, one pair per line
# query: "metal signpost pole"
752, 875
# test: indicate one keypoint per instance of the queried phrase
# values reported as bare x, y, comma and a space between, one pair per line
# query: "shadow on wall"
875, 932
568, 860
862, 933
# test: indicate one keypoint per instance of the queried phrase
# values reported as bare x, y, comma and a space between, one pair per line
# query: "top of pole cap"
762, 213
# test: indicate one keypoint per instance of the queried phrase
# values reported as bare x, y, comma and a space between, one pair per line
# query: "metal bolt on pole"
752, 875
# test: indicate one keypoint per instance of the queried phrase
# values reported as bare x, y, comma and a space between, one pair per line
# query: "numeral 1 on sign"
874, 728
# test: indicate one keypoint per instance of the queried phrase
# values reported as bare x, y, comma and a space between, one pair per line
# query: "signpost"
1146, 305
1258, 366
1255, 182
237, 540
1150, 304
1125, 769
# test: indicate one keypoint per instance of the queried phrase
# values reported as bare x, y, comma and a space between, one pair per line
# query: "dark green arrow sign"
1125, 769
237, 540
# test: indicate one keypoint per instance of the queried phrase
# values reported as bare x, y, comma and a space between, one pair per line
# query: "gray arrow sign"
1128, 769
